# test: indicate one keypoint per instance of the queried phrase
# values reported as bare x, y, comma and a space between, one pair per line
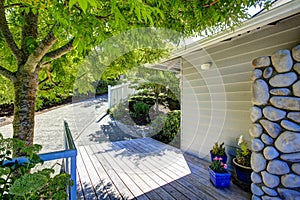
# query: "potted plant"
218, 151
242, 161
219, 175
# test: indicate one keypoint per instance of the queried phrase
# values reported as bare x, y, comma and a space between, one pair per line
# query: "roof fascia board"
263, 19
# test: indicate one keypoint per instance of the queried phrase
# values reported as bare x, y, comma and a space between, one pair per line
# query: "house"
216, 101
217, 77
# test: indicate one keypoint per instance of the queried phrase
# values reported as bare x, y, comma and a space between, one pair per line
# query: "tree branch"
29, 29
4, 29
15, 5
59, 52
210, 4
8, 74
39, 52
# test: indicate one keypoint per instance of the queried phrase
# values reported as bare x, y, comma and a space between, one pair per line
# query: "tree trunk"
24, 106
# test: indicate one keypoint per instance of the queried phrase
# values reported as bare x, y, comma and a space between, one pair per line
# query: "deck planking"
145, 169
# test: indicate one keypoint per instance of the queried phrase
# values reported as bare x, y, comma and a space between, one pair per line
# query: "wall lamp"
206, 66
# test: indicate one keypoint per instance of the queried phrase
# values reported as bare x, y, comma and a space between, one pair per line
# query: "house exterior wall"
216, 102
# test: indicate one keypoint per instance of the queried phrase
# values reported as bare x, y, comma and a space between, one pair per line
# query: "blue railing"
69, 156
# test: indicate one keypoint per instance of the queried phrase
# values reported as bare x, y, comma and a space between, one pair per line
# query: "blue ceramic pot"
219, 180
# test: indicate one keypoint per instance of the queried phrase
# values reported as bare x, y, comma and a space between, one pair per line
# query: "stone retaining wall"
276, 126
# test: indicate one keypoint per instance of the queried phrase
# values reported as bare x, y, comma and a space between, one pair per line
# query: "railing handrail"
70, 145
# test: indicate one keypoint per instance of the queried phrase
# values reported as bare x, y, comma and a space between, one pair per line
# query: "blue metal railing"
69, 156
69, 153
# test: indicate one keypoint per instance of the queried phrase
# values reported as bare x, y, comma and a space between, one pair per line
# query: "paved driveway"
87, 120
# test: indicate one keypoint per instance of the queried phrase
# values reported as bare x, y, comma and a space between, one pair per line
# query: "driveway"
87, 120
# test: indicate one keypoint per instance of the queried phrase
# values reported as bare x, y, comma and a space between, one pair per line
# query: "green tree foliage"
158, 82
42, 39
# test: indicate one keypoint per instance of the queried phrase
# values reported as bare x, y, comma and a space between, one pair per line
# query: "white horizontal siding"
216, 103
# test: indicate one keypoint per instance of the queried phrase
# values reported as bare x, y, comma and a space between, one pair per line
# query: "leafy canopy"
85, 24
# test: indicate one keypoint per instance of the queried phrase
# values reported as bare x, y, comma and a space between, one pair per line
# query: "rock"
270, 198
290, 125
255, 177
282, 61
287, 103
290, 157
295, 116
278, 167
288, 194
270, 180
280, 91
256, 190
254, 197
270, 153
296, 89
256, 74
297, 67
290, 180
288, 142
263, 61
255, 130
269, 191
257, 145
268, 72
258, 162
296, 168
260, 91
273, 114
267, 139
273, 129
296, 53
283, 80
255, 113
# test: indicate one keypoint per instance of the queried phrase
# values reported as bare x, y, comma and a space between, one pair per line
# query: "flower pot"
219, 180
243, 173
212, 156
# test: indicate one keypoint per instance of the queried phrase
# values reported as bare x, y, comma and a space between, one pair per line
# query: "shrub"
141, 108
16, 181
120, 112
170, 129
140, 114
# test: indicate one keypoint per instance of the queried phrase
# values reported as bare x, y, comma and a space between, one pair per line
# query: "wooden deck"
145, 169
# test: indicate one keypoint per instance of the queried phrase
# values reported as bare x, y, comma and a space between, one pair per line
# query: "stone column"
275, 131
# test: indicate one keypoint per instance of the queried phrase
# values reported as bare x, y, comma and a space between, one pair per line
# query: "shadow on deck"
145, 169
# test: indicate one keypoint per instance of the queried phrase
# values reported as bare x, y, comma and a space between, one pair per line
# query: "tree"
37, 35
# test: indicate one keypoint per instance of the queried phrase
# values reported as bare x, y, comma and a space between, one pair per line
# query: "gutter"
273, 15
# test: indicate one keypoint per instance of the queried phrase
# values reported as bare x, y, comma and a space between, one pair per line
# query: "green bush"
16, 181
120, 112
170, 129
140, 114
141, 108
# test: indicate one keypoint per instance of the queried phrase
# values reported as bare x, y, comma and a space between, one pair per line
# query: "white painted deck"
145, 169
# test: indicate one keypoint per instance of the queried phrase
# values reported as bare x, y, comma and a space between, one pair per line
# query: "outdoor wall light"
206, 66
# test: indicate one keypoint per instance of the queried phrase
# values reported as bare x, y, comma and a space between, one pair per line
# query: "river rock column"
275, 128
